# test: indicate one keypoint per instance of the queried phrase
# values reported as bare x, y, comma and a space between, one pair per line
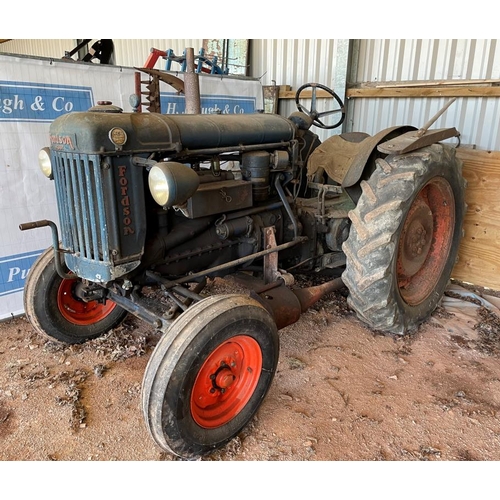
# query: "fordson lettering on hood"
125, 201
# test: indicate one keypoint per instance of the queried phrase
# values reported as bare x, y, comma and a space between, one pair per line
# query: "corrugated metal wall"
388, 60
39, 48
477, 119
295, 62
134, 53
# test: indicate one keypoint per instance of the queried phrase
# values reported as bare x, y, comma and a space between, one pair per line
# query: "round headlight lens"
172, 183
159, 185
45, 163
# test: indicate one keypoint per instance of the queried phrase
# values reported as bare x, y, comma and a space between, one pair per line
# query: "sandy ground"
341, 393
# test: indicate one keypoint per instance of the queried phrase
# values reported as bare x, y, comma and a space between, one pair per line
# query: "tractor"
149, 201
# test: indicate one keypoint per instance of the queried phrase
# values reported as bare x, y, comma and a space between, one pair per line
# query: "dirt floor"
341, 393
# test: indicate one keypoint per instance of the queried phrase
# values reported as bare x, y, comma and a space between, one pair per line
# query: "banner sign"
13, 271
35, 91
23, 101
174, 104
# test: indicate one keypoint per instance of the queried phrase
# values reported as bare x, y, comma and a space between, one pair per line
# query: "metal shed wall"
133, 53
38, 47
296, 62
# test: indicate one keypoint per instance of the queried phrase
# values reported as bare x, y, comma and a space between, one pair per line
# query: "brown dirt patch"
341, 393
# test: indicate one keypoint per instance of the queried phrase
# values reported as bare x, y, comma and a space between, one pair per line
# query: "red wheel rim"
77, 311
226, 381
425, 242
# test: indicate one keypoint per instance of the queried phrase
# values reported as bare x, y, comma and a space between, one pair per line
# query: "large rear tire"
404, 238
209, 374
54, 309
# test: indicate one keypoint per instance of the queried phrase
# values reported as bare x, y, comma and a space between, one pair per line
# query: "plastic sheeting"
464, 304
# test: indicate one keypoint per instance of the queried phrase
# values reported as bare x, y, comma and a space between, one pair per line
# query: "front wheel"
54, 309
404, 238
209, 374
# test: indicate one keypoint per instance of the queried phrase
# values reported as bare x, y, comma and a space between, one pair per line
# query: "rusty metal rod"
239, 261
288, 209
424, 129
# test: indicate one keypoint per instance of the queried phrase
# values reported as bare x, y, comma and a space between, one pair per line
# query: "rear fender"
345, 158
367, 148
363, 165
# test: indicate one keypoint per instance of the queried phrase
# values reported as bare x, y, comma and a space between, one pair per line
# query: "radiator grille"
79, 189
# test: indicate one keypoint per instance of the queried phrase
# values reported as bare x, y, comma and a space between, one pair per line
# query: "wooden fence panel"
479, 254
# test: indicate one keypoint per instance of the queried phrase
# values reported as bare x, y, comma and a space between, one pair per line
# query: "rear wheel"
54, 308
209, 374
404, 238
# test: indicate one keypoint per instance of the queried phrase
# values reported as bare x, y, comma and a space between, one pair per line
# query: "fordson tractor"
166, 202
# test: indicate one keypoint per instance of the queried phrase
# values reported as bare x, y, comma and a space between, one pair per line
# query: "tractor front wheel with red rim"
404, 238
54, 308
209, 374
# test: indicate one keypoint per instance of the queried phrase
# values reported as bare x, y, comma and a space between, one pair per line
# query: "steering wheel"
313, 112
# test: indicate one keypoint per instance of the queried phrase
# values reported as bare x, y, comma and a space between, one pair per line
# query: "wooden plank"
479, 253
428, 83
446, 88
466, 91
306, 94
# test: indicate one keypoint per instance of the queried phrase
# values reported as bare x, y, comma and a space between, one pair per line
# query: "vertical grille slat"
82, 193
76, 204
92, 197
101, 213
60, 182
82, 213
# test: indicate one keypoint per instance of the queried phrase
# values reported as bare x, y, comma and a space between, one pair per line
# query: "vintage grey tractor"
158, 202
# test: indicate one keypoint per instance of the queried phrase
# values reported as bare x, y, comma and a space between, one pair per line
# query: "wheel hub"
77, 311
416, 239
223, 379
226, 381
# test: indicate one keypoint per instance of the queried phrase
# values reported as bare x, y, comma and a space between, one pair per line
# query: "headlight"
45, 162
172, 183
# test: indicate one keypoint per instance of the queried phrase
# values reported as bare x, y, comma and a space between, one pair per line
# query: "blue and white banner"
174, 104
36, 102
13, 271
35, 91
